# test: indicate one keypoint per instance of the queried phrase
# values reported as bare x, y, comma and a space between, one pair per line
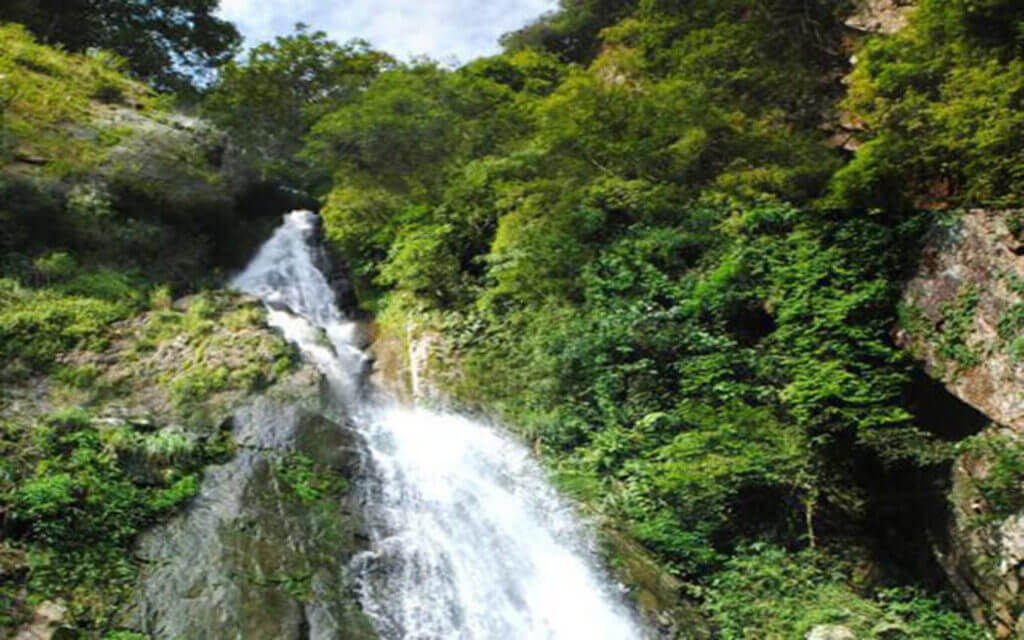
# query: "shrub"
78, 504
55, 265
767, 592
39, 325
309, 481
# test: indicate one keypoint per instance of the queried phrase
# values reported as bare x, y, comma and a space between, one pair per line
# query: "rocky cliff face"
262, 551
963, 317
964, 312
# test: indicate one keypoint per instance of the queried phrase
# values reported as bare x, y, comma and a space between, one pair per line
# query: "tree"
571, 32
173, 44
271, 100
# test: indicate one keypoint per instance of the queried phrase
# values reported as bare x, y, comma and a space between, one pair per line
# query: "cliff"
963, 317
181, 478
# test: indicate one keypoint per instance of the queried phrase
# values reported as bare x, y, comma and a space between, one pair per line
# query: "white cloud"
442, 29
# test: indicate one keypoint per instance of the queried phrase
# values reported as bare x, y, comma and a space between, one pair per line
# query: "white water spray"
468, 540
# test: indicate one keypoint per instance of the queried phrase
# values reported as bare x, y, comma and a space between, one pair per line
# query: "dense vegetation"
110, 207
173, 44
648, 255
635, 231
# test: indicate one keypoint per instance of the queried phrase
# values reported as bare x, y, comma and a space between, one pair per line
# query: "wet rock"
248, 559
406, 362
658, 594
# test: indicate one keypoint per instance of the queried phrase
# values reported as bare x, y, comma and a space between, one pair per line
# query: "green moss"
197, 383
203, 357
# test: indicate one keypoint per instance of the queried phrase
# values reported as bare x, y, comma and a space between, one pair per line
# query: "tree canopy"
172, 44
269, 100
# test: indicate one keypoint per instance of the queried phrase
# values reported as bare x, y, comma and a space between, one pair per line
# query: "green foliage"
1015, 222
696, 377
422, 262
957, 324
941, 100
309, 481
79, 181
765, 592
609, 221
44, 90
398, 129
197, 383
170, 44
521, 164
609, 224
999, 484
271, 100
75, 498
571, 32
1011, 324
168, 446
227, 352
36, 326
56, 265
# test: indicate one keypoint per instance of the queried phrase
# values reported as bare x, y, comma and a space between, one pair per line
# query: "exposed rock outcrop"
47, 623
964, 318
251, 558
881, 16
262, 550
964, 313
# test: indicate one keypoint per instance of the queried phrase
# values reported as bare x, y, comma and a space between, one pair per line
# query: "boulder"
830, 632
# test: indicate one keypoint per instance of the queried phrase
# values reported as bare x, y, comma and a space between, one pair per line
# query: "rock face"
964, 318
252, 557
881, 16
965, 313
404, 363
179, 161
262, 550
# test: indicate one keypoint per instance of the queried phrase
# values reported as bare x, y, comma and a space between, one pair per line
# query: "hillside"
745, 275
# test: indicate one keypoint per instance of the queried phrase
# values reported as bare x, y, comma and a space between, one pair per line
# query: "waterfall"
468, 540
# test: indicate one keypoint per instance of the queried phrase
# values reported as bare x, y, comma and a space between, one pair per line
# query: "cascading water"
467, 539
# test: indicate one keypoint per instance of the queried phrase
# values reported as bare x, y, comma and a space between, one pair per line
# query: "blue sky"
442, 29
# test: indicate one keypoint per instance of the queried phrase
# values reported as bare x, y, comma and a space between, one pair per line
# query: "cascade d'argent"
467, 539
